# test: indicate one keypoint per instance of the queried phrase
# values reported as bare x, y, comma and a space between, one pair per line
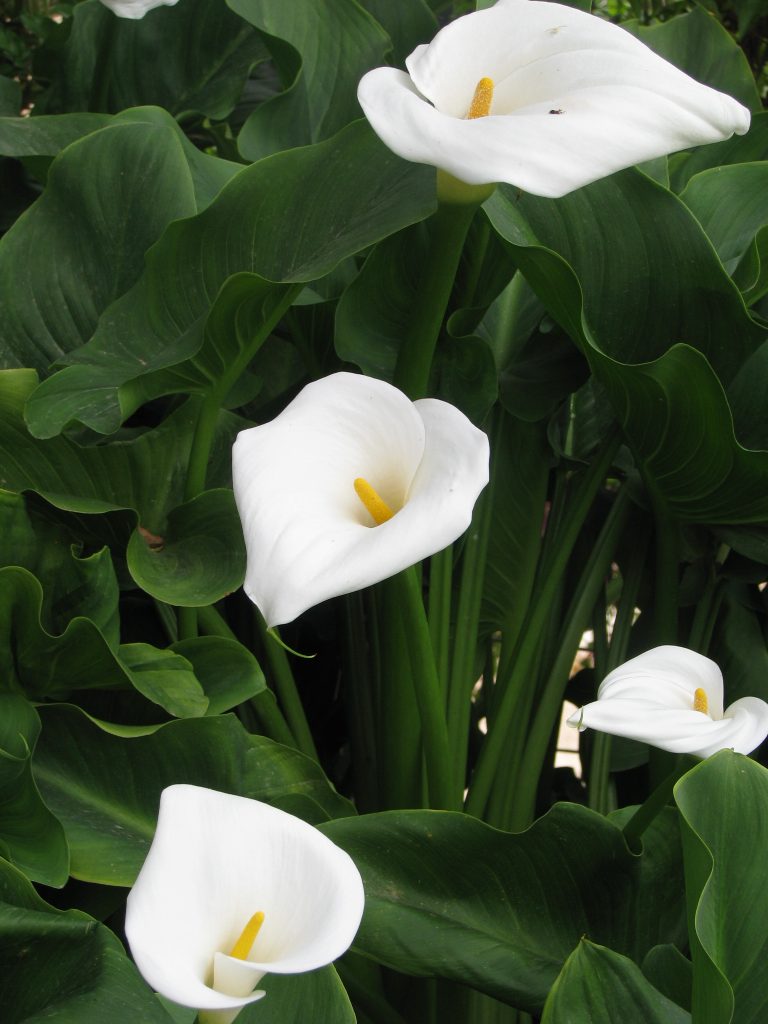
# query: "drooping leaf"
721, 799
108, 801
624, 311
334, 42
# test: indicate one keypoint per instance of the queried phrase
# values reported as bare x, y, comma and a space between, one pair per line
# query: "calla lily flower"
349, 485
672, 698
135, 9
232, 889
542, 96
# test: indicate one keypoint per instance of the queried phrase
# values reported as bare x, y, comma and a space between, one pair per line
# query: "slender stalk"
439, 611
359, 697
187, 623
271, 719
551, 697
462, 672
427, 690
655, 804
285, 688
520, 676
448, 230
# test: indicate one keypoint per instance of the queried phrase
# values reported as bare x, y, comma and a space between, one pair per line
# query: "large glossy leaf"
64, 967
624, 307
699, 45
228, 672
200, 559
193, 57
107, 801
144, 473
47, 135
83, 243
724, 806
334, 42
30, 836
731, 204
598, 984
268, 221
408, 23
447, 895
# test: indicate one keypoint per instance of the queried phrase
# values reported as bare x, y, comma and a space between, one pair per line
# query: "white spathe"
651, 699
217, 859
308, 535
135, 9
576, 98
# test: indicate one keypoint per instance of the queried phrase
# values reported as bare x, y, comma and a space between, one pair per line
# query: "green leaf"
72, 585
290, 218
31, 837
408, 23
108, 800
623, 307
46, 136
293, 997
722, 801
166, 678
334, 42
10, 97
698, 44
144, 473
83, 243
506, 924
731, 204
190, 58
739, 644
598, 984
200, 559
228, 672
64, 967
670, 972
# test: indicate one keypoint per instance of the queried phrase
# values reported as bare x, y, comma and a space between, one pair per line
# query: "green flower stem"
285, 688
439, 612
187, 623
550, 699
426, 685
707, 610
521, 676
462, 671
213, 623
399, 747
271, 719
360, 702
205, 429
600, 763
656, 802
667, 558
448, 230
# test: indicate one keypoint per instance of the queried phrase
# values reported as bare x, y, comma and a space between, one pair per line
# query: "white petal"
135, 9
621, 103
668, 676
307, 535
216, 859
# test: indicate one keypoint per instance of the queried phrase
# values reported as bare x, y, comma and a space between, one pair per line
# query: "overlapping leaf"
447, 895
269, 221
108, 802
